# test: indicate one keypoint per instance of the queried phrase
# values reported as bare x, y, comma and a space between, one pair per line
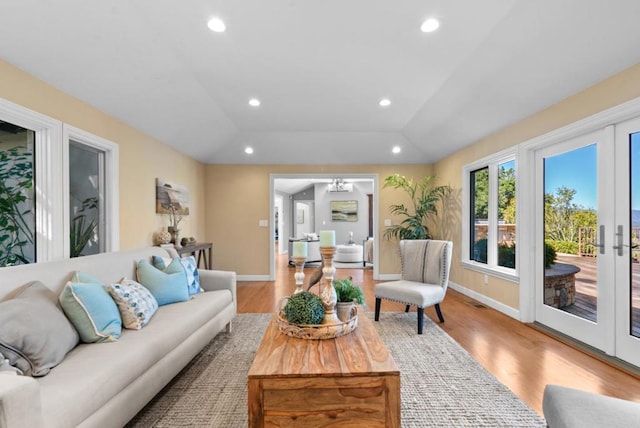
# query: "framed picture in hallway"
344, 210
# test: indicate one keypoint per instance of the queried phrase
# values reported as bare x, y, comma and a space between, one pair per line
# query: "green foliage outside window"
83, 230
507, 254
17, 242
563, 218
506, 194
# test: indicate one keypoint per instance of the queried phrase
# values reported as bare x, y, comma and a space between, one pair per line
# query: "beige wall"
615, 90
142, 158
237, 197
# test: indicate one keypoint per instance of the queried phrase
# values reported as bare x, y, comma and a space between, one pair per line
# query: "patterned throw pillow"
135, 303
190, 267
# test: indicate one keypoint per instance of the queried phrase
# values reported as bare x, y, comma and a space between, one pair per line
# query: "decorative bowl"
317, 331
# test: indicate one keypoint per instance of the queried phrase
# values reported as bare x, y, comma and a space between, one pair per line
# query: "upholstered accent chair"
425, 277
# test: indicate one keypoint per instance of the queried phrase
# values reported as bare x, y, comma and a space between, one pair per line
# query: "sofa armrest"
211, 280
19, 402
566, 407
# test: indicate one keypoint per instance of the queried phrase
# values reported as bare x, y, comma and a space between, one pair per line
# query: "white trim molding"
498, 306
253, 278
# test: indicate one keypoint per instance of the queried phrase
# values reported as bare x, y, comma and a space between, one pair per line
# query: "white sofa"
106, 384
565, 407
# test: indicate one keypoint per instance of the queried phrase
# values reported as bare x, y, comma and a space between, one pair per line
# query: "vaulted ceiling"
320, 68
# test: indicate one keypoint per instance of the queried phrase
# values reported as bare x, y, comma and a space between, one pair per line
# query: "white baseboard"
389, 277
253, 278
498, 306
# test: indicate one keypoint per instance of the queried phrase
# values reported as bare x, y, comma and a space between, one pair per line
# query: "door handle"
601, 244
619, 239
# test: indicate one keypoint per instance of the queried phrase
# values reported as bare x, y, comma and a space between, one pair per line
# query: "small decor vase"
345, 310
175, 236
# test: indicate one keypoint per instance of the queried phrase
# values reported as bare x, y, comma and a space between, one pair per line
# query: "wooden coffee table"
348, 381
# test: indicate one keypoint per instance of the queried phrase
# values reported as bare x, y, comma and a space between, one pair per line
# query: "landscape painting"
344, 210
171, 196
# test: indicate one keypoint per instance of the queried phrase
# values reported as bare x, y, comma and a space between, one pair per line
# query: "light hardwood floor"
523, 358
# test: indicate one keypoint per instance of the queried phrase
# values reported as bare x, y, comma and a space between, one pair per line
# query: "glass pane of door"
570, 220
86, 202
17, 199
634, 220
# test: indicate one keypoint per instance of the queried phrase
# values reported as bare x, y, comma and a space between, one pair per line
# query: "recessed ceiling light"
254, 102
396, 149
385, 102
216, 25
248, 150
430, 25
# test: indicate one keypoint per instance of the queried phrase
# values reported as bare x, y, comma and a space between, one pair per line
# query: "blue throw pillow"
167, 287
91, 311
190, 267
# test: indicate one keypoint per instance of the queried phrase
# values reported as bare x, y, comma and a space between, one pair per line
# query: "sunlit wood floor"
520, 356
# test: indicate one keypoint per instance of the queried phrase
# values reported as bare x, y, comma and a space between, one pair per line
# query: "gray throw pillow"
34, 333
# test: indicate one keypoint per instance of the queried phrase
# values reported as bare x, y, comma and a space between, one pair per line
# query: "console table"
201, 250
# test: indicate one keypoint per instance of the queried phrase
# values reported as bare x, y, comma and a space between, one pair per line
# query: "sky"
577, 170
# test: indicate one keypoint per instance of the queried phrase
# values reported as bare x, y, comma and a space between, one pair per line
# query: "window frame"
491, 162
52, 179
111, 173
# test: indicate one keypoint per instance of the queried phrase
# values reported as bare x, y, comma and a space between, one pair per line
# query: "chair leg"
407, 308
420, 319
377, 315
439, 312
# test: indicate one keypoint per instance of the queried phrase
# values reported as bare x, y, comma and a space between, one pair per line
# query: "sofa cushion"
135, 303
112, 366
565, 407
34, 333
92, 311
190, 267
168, 286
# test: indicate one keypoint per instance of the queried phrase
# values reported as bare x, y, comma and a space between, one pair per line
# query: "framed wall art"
344, 210
171, 198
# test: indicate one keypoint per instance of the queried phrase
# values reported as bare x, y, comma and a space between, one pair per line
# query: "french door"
588, 207
627, 241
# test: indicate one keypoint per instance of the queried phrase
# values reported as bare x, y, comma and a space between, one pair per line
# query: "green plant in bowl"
347, 291
304, 308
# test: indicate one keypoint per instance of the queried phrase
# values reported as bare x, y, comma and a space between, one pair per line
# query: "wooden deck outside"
585, 305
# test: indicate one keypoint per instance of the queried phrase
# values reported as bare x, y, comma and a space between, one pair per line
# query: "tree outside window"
17, 202
503, 225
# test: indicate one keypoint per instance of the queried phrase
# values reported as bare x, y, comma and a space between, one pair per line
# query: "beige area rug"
441, 384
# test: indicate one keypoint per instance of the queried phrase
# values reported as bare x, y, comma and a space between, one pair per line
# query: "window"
489, 241
17, 198
41, 177
91, 188
86, 200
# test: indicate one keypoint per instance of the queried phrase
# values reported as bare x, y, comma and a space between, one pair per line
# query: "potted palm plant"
425, 198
